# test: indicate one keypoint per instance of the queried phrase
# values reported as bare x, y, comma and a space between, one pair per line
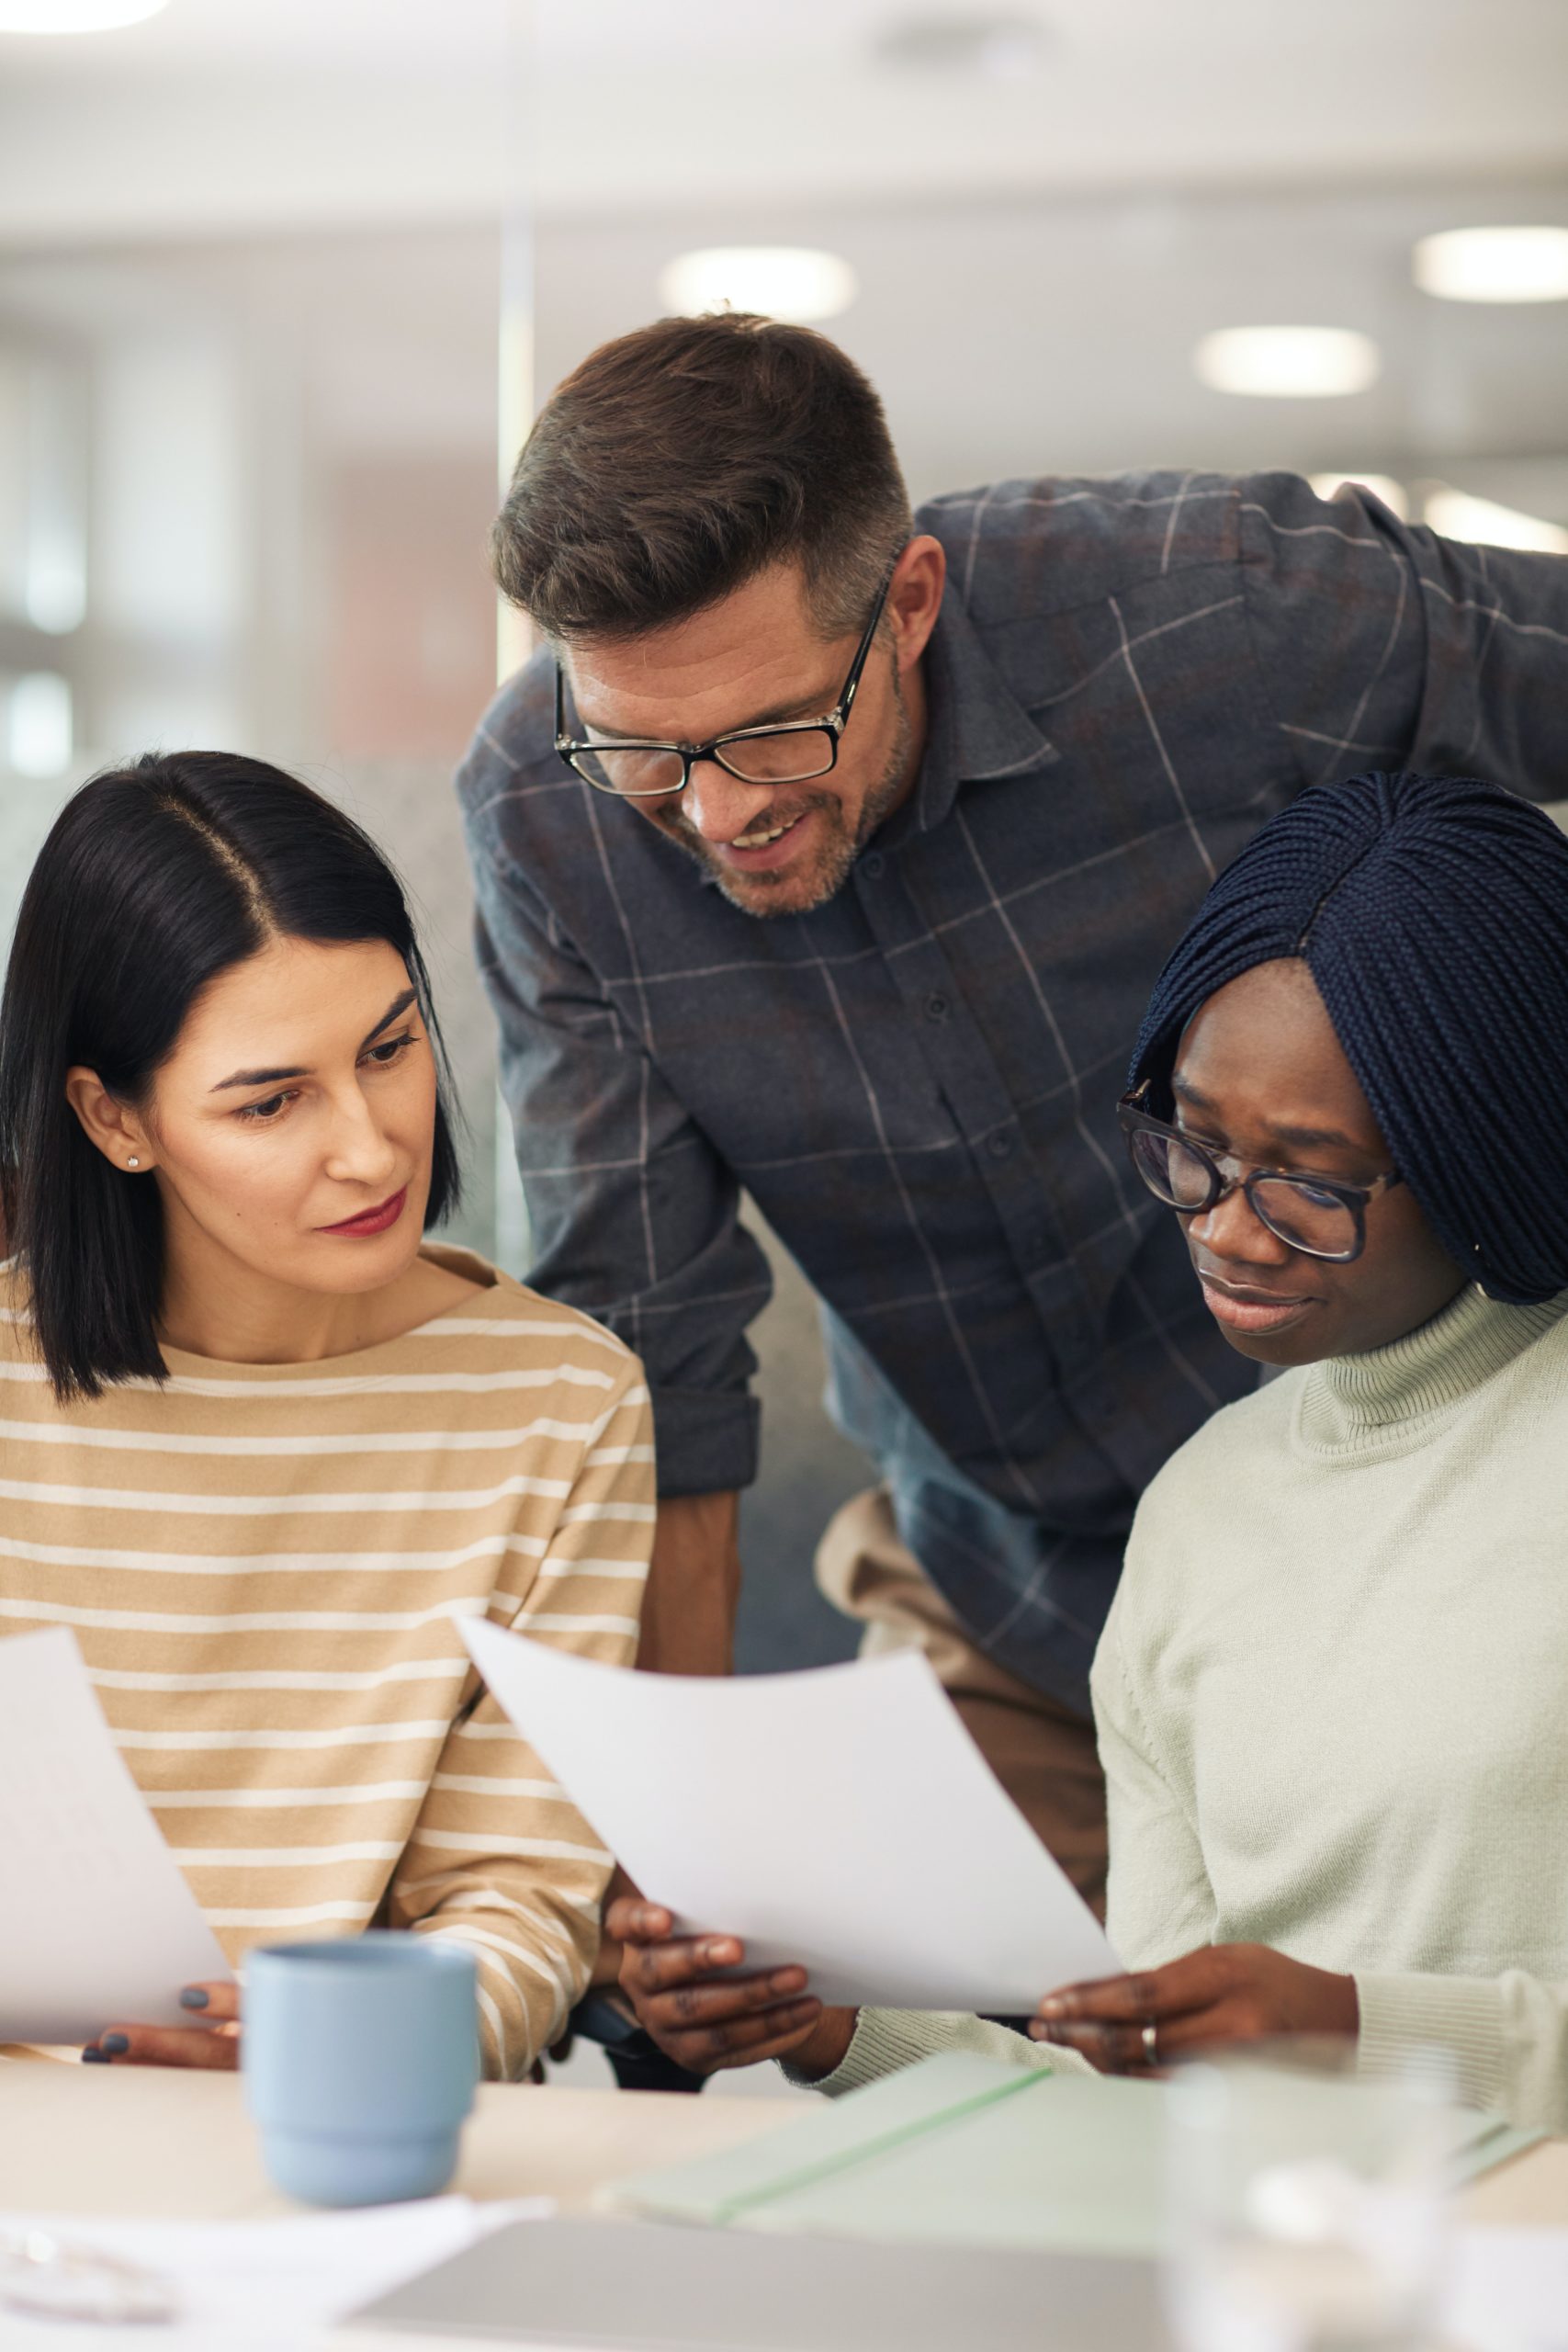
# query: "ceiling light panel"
1494, 265
1392, 493
793, 282
1287, 363
1484, 522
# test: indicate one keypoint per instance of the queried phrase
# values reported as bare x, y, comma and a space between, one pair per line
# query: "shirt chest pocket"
793, 1063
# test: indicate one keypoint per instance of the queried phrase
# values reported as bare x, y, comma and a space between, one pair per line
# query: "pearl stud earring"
133, 1163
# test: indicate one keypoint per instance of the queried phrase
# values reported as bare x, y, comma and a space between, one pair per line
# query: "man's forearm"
693, 1583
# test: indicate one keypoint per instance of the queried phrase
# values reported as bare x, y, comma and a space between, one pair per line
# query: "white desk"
144, 2142
139, 2141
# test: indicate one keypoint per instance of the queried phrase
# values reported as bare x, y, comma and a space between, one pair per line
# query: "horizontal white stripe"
604, 1456
493, 1946
511, 1327
287, 1506
624, 1571
639, 1511
476, 1785
536, 1920
342, 1735
282, 1677
556, 1624
387, 1384
485, 1731
304, 1563
569, 1322
482, 1841
274, 1858
280, 1800
287, 1448
251, 1621
302, 1915
416, 1891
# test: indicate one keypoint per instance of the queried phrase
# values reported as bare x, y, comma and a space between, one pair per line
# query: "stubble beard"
765, 895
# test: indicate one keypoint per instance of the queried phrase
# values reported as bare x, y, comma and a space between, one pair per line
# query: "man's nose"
719, 806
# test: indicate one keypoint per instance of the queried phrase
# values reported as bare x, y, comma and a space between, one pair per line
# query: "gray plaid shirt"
917, 1081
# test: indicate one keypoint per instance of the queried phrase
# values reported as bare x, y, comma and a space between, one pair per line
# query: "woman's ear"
108, 1123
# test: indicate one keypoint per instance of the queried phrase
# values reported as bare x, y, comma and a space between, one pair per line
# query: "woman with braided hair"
1330, 1693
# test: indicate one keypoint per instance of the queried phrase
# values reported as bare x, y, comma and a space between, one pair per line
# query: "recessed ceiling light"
781, 281
1287, 363
1494, 265
1007, 46
1384, 486
1484, 522
75, 16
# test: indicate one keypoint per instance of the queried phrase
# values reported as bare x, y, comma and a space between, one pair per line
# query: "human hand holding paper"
812, 1817
210, 2047
703, 2014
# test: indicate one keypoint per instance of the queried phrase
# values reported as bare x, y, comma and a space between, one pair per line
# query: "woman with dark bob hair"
1329, 1696
262, 1443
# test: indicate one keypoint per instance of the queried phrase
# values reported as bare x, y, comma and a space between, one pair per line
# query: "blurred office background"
281, 279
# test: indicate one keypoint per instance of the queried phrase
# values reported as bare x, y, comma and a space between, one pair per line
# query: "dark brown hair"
154, 878
678, 461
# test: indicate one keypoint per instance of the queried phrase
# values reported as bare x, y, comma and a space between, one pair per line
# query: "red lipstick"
371, 1220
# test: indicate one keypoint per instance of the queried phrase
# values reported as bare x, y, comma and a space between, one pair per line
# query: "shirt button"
872, 866
1000, 1147
936, 1006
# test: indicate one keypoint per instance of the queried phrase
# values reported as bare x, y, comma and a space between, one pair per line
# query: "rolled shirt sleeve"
635, 1217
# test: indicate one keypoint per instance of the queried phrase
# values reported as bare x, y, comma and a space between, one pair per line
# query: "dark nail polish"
91, 2057
114, 2045
193, 1997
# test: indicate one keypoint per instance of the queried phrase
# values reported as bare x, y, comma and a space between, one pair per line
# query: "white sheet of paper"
841, 1817
1507, 2291
265, 2286
100, 1927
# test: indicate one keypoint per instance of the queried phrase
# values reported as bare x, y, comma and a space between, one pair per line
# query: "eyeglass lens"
1293, 1208
755, 759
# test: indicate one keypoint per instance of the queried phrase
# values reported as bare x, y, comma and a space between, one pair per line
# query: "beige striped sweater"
262, 1564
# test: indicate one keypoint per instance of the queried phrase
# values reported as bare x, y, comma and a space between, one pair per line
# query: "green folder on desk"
965, 2151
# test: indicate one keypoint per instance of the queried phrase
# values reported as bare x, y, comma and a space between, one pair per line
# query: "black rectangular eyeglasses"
790, 753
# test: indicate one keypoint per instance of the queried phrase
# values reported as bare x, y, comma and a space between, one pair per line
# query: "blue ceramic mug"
360, 2059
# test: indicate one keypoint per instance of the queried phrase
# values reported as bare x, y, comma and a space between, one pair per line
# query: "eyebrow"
272, 1076
811, 708
1303, 1138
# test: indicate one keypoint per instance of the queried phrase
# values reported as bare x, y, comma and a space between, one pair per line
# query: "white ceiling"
228, 115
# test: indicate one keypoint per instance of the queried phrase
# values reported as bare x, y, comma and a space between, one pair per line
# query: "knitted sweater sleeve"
1505, 2037
1159, 1901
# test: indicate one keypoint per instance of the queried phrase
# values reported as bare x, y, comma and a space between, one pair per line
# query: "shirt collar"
978, 730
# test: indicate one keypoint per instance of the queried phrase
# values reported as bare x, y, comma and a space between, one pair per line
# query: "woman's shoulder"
489, 1308
1240, 1435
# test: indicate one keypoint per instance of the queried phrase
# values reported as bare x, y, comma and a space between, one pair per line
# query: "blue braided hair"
1432, 911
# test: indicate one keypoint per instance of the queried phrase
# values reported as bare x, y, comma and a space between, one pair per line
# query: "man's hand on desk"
706, 2021
1223, 1992
214, 2044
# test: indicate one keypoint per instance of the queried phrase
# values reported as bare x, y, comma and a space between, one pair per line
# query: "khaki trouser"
1042, 1754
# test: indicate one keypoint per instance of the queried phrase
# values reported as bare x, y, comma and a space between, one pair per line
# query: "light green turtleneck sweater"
1332, 1701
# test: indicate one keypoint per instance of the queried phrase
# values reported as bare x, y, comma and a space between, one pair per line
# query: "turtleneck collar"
1366, 1403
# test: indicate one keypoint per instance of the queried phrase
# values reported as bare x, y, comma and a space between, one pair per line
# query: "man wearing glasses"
831, 853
